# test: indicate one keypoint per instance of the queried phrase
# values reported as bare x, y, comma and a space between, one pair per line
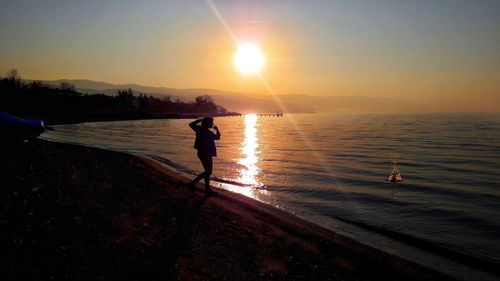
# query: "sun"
248, 58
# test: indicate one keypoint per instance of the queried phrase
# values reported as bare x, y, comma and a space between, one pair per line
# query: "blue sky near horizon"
421, 49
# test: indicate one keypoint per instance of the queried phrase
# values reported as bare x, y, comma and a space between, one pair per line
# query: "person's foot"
210, 192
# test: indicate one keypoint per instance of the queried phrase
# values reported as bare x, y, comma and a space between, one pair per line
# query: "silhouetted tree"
36, 85
204, 99
220, 110
37, 98
12, 74
65, 86
126, 98
13, 78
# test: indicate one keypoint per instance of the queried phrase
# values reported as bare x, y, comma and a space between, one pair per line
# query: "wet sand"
70, 212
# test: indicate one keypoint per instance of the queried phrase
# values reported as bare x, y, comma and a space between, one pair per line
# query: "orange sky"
431, 52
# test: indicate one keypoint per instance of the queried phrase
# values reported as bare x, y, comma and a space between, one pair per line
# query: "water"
331, 169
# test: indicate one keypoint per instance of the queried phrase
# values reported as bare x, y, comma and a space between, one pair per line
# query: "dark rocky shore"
70, 212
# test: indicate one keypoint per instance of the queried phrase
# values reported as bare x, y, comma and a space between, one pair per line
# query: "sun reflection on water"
249, 171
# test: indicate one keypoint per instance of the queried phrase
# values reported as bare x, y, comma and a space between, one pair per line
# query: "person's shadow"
187, 216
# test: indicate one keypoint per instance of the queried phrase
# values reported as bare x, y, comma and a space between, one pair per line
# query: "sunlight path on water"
248, 175
304, 137
319, 157
249, 171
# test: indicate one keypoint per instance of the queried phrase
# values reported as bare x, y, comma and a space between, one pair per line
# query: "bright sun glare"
248, 59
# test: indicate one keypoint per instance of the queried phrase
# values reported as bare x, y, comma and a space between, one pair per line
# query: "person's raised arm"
193, 124
217, 133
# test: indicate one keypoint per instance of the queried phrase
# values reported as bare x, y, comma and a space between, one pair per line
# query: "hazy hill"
355, 103
245, 103
238, 102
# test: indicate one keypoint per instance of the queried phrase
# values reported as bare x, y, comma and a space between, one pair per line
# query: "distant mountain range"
248, 103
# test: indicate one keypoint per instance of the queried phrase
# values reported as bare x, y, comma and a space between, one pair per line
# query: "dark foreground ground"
75, 213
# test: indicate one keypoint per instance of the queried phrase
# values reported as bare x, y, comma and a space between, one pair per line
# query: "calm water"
331, 168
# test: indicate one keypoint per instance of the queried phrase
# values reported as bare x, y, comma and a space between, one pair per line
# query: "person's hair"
207, 122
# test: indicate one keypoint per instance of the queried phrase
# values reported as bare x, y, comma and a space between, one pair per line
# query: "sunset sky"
435, 50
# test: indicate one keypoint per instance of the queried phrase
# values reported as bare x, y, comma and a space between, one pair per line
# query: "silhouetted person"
205, 144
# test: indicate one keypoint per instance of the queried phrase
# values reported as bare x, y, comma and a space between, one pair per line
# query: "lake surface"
331, 169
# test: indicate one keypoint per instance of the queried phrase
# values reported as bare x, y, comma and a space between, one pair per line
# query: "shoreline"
452, 255
66, 120
259, 241
427, 254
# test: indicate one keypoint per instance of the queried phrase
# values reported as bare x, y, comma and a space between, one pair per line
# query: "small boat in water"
395, 175
12, 127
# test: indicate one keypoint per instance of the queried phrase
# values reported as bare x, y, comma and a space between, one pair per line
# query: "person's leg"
197, 179
200, 176
208, 165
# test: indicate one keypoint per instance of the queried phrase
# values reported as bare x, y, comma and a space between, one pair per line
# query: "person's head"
207, 122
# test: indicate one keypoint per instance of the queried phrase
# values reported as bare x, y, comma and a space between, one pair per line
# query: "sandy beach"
70, 212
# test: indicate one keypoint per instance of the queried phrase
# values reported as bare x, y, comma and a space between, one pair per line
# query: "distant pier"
277, 114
